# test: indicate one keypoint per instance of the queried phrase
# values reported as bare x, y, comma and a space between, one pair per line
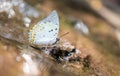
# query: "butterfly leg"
57, 40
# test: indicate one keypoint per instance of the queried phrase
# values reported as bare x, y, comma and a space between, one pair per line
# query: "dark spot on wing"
55, 28
51, 29
44, 22
49, 21
55, 34
43, 27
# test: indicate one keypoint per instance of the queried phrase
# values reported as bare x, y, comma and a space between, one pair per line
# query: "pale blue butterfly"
45, 32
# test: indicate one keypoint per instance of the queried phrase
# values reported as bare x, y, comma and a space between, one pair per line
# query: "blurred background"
93, 26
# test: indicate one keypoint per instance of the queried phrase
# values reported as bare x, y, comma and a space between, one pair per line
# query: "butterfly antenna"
64, 34
58, 39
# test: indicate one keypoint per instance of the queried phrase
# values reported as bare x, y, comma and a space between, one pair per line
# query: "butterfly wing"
46, 31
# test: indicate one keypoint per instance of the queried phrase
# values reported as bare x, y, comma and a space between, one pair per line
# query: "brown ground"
101, 44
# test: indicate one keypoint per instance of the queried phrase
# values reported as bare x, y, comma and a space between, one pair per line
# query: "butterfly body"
45, 32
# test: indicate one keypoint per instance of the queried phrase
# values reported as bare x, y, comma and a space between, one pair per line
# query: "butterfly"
45, 32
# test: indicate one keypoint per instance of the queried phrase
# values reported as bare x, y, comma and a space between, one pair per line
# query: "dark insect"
61, 55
